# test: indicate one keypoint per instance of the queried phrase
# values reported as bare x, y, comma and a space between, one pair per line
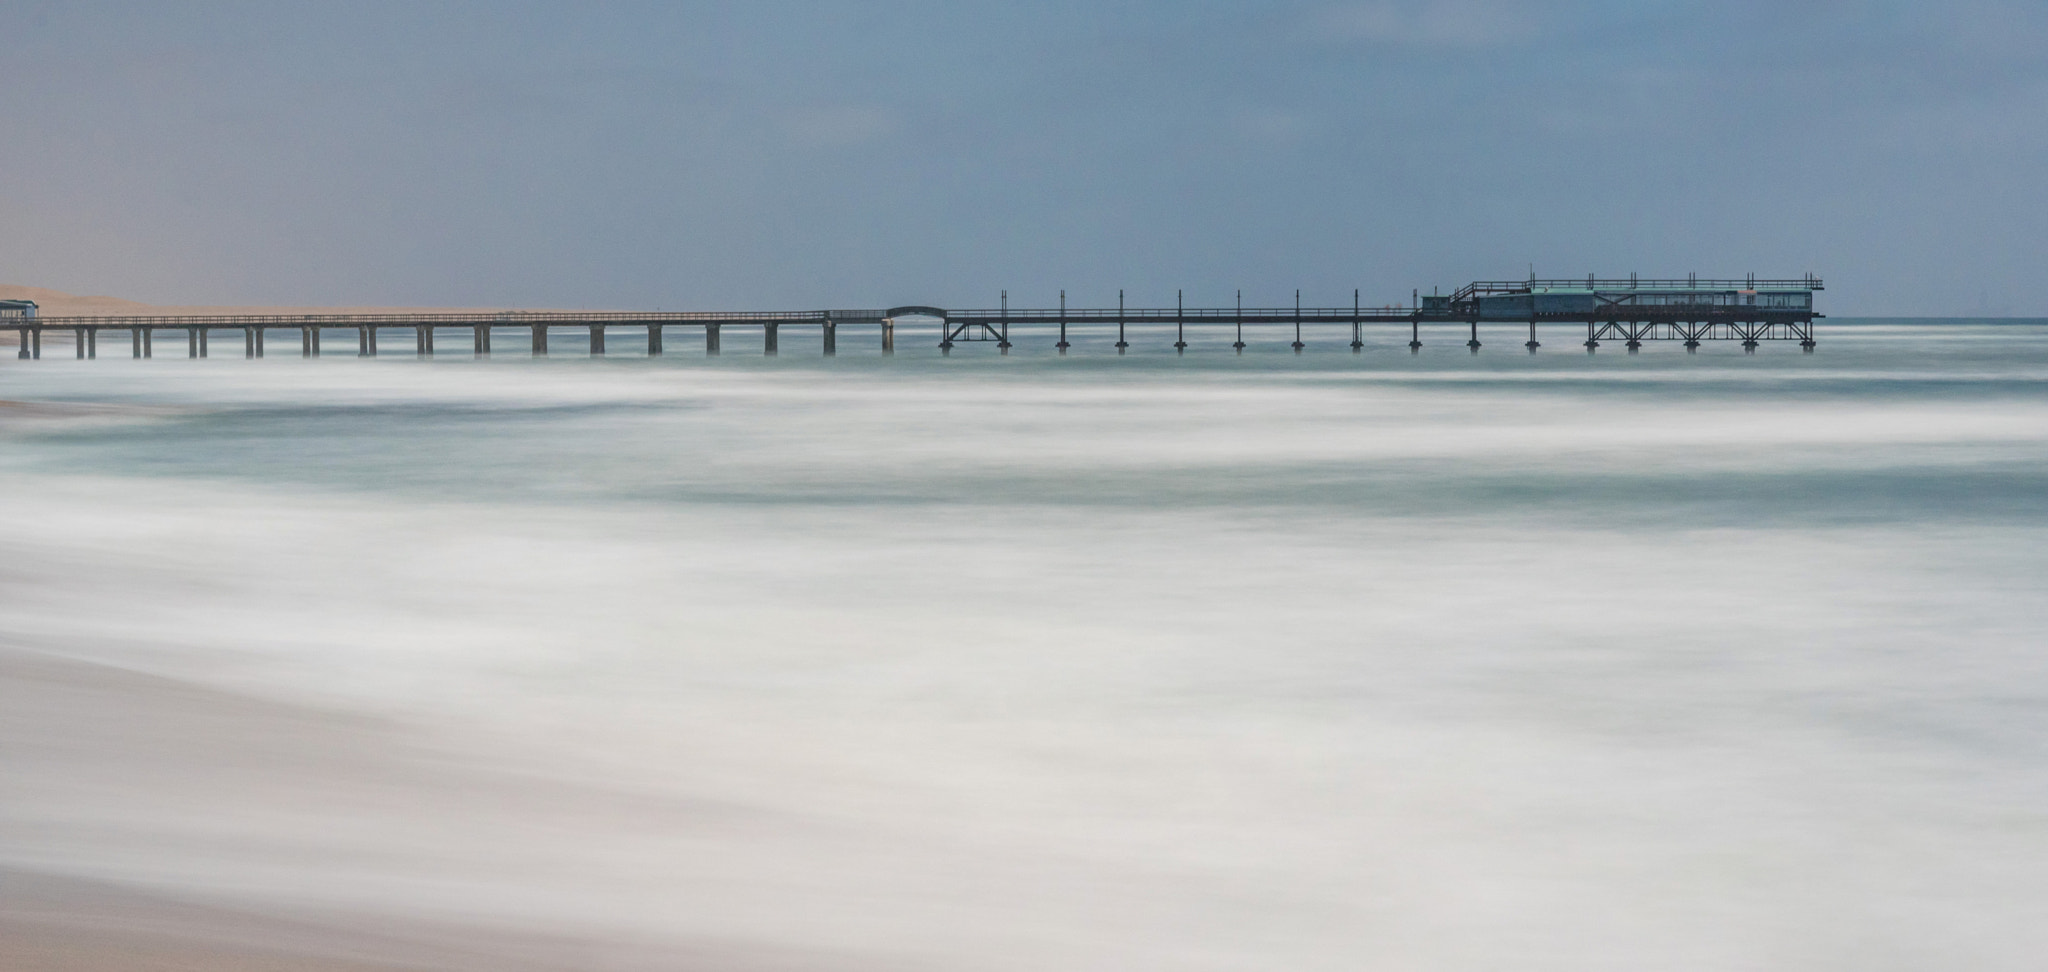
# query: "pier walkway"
1627, 311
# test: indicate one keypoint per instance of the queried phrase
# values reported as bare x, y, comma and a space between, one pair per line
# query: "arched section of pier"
890, 316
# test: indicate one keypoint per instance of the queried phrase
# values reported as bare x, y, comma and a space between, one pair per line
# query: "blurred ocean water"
1323, 662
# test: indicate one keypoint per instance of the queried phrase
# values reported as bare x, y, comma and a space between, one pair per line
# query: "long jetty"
1630, 311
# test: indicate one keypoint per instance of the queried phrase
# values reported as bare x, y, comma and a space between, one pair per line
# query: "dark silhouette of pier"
1630, 312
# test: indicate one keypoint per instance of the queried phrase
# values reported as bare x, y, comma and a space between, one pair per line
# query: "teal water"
1207, 662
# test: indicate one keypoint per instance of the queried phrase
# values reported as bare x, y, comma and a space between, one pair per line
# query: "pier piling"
654, 339
540, 340
1238, 345
597, 340
711, 340
1062, 346
1121, 344
769, 340
1297, 323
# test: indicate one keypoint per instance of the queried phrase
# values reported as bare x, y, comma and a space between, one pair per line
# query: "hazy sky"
770, 154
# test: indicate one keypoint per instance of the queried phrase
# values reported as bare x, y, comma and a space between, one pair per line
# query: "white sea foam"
1279, 663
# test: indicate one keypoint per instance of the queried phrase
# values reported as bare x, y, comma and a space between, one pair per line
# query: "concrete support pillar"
37, 353
769, 340
888, 336
423, 340
1532, 345
711, 340
653, 340
248, 342
259, 340
1474, 343
1415, 335
830, 339
480, 341
309, 341
1592, 343
135, 341
22, 352
191, 342
597, 340
80, 336
540, 340
149, 342
366, 341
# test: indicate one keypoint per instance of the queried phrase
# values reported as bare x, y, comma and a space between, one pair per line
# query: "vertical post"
248, 341
888, 335
423, 340
1592, 342
770, 343
135, 342
149, 342
828, 341
653, 338
1180, 322
92, 342
1240, 323
22, 351
1357, 342
946, 336
78, 340
1297, 321
1474, 343
1003, 338
37, 353
480, 341
259, 340
1121, 344
1063, 325
366, 341
711, 340
1532, 345
540, 340
597, 340
204, 333
1415, 321
309, 338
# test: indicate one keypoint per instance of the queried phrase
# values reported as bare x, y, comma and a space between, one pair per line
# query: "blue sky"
770, 154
